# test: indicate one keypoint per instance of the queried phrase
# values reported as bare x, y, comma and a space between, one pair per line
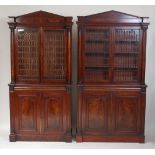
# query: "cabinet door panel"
27, 112
54, 56
127, 112
127, 46
95, 113
27, 55
54, 112
97, 55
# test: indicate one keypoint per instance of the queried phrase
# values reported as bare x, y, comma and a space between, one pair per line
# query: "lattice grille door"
126, 54
97, 46
27, 55
54, 55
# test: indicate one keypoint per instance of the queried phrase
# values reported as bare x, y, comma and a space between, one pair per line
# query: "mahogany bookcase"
111, 77
40, 88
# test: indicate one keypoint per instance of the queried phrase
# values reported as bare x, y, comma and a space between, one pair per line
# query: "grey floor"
4, 143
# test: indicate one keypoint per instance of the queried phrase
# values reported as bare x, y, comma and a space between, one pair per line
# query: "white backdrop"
5, 11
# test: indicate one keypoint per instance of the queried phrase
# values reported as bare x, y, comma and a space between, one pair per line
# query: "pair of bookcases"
111, 77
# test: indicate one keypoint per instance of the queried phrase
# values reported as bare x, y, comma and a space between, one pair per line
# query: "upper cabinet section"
111, 48
41, 48
111, 17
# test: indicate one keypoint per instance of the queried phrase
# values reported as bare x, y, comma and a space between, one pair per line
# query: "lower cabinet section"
104, 114
110, 114
38, 115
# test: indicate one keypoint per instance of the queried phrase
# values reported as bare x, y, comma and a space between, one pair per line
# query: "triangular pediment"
40, 14
41, 18
112, 14
111, 17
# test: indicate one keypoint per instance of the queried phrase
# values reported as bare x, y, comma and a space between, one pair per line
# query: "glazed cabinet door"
55, 113
54, 54
127, 54
127, 108
95, 109
96, 55
27, 55
27, 112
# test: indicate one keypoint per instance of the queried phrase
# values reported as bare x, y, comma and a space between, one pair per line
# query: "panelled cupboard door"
54, 55
127, 109
27, 119
95, 109
27, 55
54, 113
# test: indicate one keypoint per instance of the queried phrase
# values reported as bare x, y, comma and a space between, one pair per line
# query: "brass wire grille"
97, 54
28, 55
126, 54
125, 48
54, 55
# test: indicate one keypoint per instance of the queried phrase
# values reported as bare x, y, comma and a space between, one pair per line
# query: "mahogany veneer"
111, 77
40, 77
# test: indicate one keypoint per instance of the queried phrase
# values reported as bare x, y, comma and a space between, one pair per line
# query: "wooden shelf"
125, 68
97, 41
98, 67
126, 53
96, 53
126, 41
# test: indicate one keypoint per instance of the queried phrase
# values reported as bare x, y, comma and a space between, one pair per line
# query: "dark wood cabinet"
111, 77
40, 77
